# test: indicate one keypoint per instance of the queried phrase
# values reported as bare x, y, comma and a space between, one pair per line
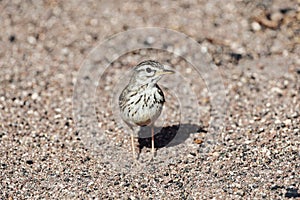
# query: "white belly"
145, 108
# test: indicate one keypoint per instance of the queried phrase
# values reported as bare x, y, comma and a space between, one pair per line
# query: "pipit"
142, 100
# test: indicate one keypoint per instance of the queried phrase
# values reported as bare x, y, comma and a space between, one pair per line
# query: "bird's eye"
148, 70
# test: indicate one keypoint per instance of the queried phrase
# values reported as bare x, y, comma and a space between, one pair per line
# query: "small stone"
277, 90
204, 49
192, 154
277, 121
240, 192
295, 115
178, 51
188, 70
255, 26
12, 38
94, 22
31, 40
90, 183
248, 142
260, 130
216, 154
58, 110
65, 51
34, 96
57, 116
292, 193
149, 40
288, 122
29, 162
88, 38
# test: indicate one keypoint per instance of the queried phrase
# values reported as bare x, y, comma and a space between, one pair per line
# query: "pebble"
34, 96
94, 22
277, 90
285, 53
58, 110
150, 40
255, 26
188, 70
57, 116
204, 49
288, 122
295, 115
31, 40
65, 51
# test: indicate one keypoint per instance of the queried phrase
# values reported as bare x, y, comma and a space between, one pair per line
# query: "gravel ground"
255, 46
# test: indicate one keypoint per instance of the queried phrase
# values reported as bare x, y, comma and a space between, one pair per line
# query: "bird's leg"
134, 143
132, 146
152, 141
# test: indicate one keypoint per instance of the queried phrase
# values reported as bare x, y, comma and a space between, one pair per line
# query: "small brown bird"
142, 100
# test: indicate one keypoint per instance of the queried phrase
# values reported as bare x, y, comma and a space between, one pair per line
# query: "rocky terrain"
230, 127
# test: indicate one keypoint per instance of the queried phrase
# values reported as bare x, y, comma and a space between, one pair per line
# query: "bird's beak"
165, 71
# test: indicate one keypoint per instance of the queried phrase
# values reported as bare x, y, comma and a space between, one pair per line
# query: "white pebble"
203, 49
188, 70
276, 90
288, 122
57, 110
65, 51
150, 40
255, 26
57, 116
94, 22
277, 121
34, 96
31, 40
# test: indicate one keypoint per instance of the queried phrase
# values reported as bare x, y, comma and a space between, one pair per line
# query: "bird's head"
149, 72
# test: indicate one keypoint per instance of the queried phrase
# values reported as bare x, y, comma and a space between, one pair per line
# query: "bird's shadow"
167, 136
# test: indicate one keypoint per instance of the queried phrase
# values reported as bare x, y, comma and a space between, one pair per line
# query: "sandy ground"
55, 146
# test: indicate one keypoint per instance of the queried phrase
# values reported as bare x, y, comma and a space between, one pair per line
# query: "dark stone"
179, 184
192, 153
12, 38
116, 183
286, 10
66, 179
275, 187
236, 56
292, 193
126, 184
29, 162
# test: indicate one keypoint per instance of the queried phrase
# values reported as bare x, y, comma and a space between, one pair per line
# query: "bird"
142, 100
